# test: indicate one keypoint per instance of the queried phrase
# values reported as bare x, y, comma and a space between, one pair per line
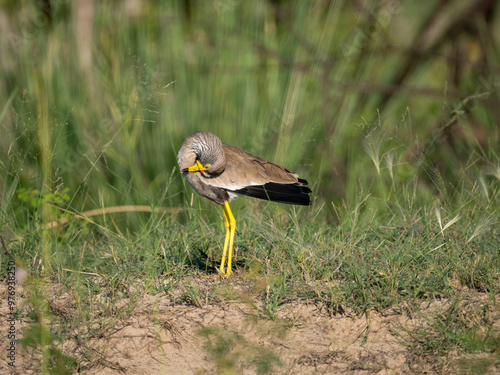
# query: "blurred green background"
389, 99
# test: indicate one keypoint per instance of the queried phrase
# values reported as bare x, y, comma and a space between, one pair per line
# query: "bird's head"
202, 152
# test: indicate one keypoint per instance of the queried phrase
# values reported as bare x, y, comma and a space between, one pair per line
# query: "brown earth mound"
158, 336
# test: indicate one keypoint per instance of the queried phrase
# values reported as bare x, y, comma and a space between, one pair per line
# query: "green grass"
406, 185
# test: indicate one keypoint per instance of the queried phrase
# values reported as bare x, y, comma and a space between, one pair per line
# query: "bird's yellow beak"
198, 167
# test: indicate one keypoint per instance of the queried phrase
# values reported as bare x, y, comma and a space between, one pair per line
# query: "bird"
221, 173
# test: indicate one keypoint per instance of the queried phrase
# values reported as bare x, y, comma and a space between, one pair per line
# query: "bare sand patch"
161, 336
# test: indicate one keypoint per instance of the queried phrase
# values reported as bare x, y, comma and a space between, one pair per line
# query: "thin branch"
109, 210
5, 249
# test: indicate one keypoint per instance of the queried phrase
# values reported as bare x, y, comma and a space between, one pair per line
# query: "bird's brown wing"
245, 169
248, 174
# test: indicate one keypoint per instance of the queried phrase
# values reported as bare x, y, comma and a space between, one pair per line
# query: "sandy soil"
163, 337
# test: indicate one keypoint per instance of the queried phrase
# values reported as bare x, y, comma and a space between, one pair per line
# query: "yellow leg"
228, 241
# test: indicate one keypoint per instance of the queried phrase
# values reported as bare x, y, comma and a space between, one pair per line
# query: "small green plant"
35, 199
232, 353
275, 294
462, 327
38, 337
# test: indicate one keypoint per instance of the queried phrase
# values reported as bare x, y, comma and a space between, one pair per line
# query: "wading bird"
221, 172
